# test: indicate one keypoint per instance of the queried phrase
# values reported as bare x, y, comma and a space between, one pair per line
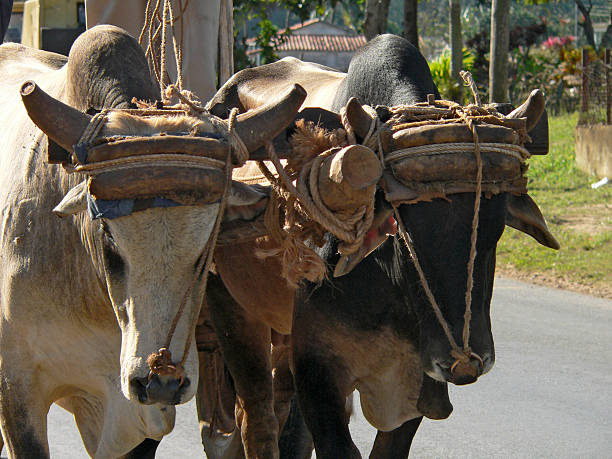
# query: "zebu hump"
107, 68
251, 88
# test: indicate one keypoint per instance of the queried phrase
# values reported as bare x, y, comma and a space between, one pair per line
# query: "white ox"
84, 302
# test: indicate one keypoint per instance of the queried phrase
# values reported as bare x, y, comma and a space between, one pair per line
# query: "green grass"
565, 197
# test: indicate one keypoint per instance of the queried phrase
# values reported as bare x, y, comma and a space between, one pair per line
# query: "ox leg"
322, 397
23, 418
215, 397
295, 440
146, 450
245, 342
395, 444
283, 378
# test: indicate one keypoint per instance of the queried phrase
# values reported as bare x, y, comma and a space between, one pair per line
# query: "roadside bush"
441, 72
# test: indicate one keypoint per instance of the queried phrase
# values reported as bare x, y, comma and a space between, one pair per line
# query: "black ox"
374, 329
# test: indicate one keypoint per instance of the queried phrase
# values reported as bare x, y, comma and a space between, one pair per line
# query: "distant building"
315, 41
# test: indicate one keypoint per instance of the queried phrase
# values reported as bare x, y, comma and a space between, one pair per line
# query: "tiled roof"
328, 43
345, 42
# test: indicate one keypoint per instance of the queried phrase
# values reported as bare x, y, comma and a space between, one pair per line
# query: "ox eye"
112, 260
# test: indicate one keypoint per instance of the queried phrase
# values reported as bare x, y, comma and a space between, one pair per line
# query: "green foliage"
441, 72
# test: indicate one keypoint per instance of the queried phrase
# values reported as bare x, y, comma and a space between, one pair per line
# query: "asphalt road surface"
549, 394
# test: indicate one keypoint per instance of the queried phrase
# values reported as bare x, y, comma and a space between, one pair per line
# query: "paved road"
549, 394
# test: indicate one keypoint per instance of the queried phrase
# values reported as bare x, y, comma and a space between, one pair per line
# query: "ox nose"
165, 390
466, 372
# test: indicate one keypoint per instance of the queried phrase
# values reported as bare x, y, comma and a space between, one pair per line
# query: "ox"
372, 329
83, 302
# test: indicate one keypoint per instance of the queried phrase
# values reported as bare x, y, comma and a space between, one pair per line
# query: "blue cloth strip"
109, 209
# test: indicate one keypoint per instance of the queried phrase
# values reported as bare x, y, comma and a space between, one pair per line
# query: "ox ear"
524, 215
245, 202
74, 201
383, 226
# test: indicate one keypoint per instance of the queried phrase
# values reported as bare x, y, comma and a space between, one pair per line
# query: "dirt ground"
551, 280
592, 219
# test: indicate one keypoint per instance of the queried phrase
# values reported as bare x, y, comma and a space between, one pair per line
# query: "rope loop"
467, 115
160, 363
205, 261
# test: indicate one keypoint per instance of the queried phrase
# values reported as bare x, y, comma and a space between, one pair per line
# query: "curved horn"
531, 109
259, 125
358, 117
62, 123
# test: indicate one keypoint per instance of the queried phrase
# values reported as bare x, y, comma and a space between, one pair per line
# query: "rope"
161, 362
93, 128
430, 296
461, 355
166, 159
349, 228
166, 20
467, 77
515, 151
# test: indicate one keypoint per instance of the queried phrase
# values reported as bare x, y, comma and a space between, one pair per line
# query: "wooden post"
585, 81
608, 93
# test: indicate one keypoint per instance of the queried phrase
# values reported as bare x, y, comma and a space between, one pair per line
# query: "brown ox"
84, 302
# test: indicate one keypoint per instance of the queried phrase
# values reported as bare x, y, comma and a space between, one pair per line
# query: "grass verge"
580, 218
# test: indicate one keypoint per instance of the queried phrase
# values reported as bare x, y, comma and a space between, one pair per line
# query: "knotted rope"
305, 216
160, 362
186, 99
403, 117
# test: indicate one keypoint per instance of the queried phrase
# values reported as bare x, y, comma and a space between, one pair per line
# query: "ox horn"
62, 123
531, 109
361, 122
259, 125
358, 117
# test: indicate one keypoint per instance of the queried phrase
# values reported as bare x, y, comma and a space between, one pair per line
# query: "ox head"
149, 260
440, 228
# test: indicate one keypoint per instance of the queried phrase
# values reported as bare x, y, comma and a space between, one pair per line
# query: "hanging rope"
160, 362
155, 24
465, 354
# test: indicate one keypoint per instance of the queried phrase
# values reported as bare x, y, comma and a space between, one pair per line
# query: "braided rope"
166, 159
515, 151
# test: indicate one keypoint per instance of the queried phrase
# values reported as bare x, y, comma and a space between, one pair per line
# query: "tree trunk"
411, 32
375, 21
225, 60
5, 16
606, 39
500, 39
587, 26
456, 43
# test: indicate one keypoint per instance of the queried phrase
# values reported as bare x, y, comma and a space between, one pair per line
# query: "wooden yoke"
347, 179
